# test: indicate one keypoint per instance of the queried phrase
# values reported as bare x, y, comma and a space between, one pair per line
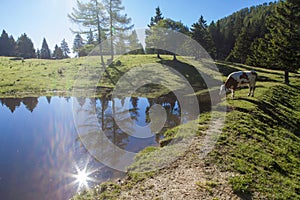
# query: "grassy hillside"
260, 140
37, 77
259, 148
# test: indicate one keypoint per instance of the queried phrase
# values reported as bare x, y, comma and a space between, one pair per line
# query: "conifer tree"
58, 53
7, 45
65, 48
90, 37
135, 46
158, 16
280, 48
200, 33
77, 44
45, 51
92, 16
25, 47
117, 22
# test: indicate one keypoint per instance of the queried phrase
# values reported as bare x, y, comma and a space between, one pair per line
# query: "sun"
82, 177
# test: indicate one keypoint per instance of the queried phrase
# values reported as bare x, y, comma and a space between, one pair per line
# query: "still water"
41, 153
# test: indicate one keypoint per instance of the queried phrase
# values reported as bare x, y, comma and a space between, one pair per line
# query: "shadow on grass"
225, 69
272, 110
188, 71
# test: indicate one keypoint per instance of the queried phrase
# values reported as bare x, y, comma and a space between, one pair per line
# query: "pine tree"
65, 48
217, 37
118, 22
38, 54
153, 21
158, 16
7, 44
163, 34
135, 46
241, 48
25, 47
77, 44
91, 15
200, 33
284, 29
45, 51
90, 37
280, 48
58, 53
12, 46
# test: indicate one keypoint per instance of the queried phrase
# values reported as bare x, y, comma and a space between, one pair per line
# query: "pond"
41, 154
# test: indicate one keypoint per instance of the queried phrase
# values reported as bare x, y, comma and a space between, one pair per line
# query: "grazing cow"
237, 79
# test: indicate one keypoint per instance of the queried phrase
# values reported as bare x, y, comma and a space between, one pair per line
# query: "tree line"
24, 48
266, 35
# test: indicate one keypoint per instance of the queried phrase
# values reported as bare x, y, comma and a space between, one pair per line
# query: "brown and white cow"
237, 79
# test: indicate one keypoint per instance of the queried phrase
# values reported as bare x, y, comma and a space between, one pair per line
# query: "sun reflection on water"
82, 177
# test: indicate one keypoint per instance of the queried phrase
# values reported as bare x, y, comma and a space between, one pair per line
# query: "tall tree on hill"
45, 51
12, 46
135, 46
7, 44
77, 44
158, 16
91, 15
25, 47
90, 37
280, 48
117, 21
242, 45
200, 33
65, 48
58, 52
163, 35
38, 54
154, 21
217, 37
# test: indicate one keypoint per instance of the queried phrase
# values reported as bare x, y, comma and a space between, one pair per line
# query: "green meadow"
259, 142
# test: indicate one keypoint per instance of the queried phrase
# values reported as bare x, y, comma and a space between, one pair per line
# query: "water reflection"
13, 103
41, 155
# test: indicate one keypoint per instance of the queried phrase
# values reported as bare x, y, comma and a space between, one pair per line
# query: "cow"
237, 79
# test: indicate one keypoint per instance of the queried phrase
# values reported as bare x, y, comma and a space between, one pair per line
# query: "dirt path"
190, 177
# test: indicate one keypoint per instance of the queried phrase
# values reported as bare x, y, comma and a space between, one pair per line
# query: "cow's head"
223, 91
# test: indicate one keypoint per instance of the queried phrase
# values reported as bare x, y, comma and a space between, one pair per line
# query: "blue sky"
48, 18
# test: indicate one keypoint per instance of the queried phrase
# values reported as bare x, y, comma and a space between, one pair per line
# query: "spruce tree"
280, 48
158, 16
284, 28
200, 33
92, 16
118, 22
45, 51
135, 46
90, 37
12, 45
7, 44
77, 44
25, 47
58, 53
65, 48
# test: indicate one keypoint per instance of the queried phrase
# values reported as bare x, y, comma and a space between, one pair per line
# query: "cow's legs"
250, 88
253, 88
232, 93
